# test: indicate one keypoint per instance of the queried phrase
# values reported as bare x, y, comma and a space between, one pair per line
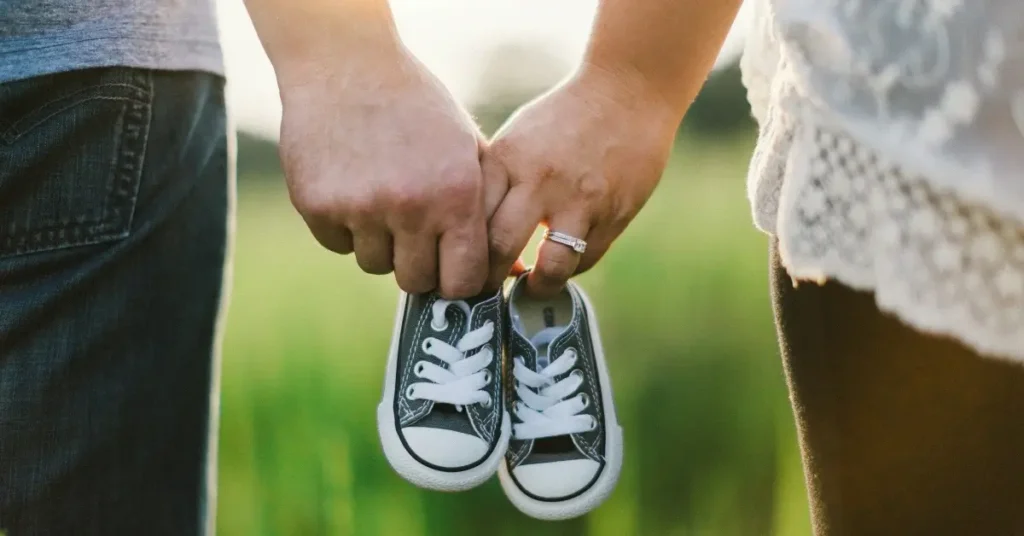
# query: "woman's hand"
582, 160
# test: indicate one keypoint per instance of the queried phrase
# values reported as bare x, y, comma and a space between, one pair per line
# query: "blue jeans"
115, 206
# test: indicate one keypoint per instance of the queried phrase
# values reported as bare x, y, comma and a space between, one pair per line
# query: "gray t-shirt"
40, 37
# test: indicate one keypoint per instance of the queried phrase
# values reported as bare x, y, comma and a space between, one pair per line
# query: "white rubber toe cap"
444, 448
555, 480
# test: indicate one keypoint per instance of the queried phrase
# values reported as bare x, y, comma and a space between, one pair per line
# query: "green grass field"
683, 303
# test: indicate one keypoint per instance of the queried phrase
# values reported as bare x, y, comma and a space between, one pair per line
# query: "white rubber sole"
401, 460
598, 491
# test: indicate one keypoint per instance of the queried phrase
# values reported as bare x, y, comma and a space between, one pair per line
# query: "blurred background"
682, 298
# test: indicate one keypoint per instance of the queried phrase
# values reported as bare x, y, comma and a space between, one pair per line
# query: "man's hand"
379, 159
388, 166
582, 160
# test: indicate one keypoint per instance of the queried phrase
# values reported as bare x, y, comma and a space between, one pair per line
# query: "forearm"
664, 47
304, 35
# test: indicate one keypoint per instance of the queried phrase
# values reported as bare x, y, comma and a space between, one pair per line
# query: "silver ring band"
577, 244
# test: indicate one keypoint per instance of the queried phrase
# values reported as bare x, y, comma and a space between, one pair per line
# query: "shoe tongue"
479, 299
470, 307
542, 342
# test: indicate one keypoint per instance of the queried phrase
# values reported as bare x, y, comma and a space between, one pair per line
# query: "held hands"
387, 166
582, 160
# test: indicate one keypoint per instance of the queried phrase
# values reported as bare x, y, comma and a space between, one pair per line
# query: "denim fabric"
115, 199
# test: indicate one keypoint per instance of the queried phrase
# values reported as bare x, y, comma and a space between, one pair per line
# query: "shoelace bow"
541, 402
461, 383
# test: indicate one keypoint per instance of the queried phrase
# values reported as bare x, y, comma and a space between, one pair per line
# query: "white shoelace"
461, 383
541, 402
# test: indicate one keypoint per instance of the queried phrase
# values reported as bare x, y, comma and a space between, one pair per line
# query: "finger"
333, 237
416, 262
462, 259
598, 243
510, 229
556, 262
518, 268
495, 183
373, 250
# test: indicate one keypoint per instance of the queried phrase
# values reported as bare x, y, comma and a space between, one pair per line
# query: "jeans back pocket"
71, 154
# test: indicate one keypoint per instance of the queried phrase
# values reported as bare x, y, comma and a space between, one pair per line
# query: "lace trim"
890, 155
942, 265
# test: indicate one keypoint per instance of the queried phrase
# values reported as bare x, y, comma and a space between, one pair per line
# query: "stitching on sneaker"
592, 378
486, 426
428, 405
525, 447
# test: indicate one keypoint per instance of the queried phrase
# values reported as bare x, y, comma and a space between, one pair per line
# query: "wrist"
629, 89
317, 45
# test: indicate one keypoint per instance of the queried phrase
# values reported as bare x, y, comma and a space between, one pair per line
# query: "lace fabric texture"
891, 155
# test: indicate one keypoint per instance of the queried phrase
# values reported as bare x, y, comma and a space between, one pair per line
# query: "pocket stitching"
124, 171
12, 133
123, 190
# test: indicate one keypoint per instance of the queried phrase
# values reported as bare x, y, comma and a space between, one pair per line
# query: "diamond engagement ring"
577, 244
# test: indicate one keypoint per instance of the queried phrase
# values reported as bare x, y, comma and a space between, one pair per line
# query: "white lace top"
891, 155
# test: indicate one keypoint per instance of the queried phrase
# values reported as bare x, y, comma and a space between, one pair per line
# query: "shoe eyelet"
577, 373
585, 400
419, 369
427, 344
572, 352
410, 392
487, 403
593, 423
487, 377
436, 327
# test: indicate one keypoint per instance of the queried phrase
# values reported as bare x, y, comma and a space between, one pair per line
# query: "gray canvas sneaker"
442, 419
565, 454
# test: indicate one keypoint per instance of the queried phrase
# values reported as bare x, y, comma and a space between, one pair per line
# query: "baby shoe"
442, 418
565, 453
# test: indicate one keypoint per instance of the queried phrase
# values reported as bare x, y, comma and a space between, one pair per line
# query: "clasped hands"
388, 167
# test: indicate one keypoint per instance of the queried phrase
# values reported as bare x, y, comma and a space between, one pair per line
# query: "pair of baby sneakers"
503, 383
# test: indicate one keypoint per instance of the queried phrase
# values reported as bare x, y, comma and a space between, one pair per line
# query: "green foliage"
257, 158
683, 304
721, 109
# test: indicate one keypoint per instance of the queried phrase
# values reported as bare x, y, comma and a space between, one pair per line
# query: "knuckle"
355, 207
545, 171
619, 221
502, 246
592, 189
315, 203
404, 200
459, 208
461, 192
410, 221
407, 208
621, 212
